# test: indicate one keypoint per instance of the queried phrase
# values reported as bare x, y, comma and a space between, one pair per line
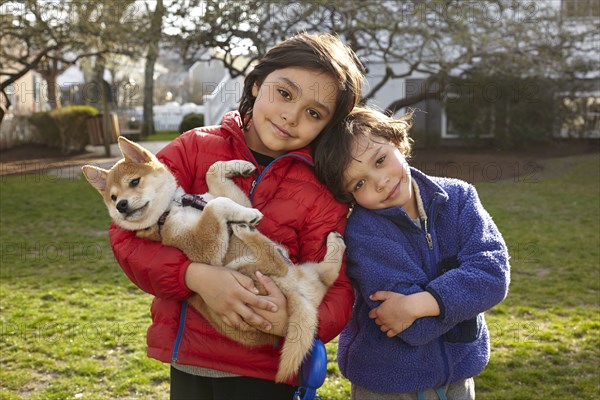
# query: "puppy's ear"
95, 176
133, 152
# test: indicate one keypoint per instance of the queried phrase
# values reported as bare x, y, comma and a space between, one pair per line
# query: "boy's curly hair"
319, 52
334, 153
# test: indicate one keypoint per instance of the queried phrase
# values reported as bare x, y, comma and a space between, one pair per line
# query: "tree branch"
28, 67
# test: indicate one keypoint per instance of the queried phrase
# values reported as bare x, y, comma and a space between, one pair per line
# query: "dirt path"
29, 159
477, 165
472, 165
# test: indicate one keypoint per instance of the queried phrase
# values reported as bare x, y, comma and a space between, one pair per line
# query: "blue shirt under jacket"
465, 267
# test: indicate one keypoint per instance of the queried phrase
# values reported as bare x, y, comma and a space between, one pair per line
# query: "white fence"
224, 97
167, 117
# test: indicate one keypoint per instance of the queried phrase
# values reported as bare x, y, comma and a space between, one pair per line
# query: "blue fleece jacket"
464, 266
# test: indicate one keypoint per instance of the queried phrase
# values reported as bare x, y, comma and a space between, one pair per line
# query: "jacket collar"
428, 188
232, 124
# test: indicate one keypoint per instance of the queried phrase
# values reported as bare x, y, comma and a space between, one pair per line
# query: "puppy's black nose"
122, 206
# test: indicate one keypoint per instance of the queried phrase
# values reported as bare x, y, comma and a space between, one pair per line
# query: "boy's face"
379, 176
292, 107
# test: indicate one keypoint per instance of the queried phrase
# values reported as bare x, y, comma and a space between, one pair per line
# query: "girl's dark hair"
335, 150
319, 52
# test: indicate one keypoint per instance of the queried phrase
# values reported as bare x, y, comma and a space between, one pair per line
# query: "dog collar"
193, 200
161, 222
162, 219
186, 200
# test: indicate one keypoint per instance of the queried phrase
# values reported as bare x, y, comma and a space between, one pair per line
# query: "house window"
580, 8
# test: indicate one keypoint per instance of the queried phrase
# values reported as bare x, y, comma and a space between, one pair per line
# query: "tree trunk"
151, 57
52, 91
49, 72
99, 100
106, 119
148, 118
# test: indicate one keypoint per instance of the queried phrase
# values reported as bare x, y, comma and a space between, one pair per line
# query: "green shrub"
64, 128
191, 121
515, 111
72, 126
48, 131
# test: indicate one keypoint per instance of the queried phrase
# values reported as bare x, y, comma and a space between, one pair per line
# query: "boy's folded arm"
478, 283
476, 286
424, 330
378, 271
154, 268
483, 275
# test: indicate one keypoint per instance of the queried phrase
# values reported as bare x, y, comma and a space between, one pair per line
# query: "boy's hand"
398, 312
278, 319
230, 294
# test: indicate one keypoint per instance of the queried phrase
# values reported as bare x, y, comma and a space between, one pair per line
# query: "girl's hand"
398, 312
278, 318
231, 295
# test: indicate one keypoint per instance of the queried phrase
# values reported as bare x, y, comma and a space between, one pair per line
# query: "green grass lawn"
73, 326
162, 136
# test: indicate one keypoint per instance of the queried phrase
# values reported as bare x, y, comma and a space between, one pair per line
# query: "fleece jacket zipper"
429, 228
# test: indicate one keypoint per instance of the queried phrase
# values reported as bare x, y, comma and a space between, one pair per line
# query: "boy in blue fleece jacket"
426, 261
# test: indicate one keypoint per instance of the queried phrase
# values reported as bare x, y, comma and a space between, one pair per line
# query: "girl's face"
292, 107
379, 176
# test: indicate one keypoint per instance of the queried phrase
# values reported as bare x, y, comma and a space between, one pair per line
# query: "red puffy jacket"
298, 211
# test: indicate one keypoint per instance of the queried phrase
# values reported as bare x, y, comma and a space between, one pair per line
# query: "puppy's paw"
249, 215
241, 230
335, 235
247, 168
335, 243
237, 168
230, 211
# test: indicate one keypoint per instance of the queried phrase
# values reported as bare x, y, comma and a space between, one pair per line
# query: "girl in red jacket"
302, 88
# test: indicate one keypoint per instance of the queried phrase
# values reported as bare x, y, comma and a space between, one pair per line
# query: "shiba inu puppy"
218, 228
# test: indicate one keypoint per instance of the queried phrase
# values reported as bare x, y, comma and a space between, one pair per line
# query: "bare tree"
34, 39
48, 37
431, 38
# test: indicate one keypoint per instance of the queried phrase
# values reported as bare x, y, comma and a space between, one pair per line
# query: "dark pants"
191, 387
